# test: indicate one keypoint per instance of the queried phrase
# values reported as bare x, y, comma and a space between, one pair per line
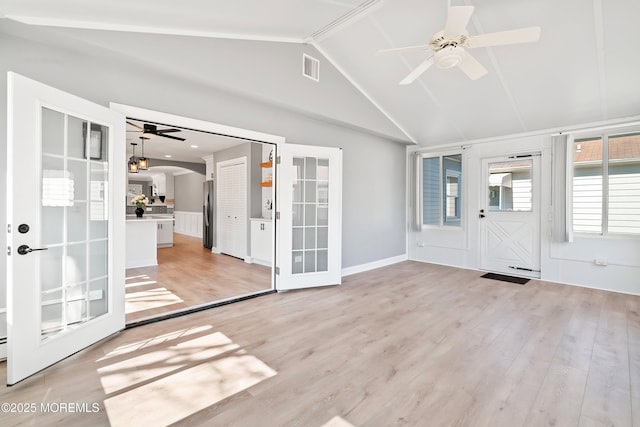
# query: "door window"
74, 214
310, 226
510, 186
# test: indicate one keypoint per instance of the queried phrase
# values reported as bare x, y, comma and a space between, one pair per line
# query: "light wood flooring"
188, 274
411, 344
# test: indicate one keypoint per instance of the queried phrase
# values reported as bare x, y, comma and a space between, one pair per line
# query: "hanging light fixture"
143, 163
133, 160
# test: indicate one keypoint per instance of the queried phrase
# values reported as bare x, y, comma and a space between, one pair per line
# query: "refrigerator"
208, 214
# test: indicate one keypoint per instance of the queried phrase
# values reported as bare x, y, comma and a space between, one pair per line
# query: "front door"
309, 204
510, 215
65, 269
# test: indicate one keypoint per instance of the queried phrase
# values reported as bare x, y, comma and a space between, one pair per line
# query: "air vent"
310, 67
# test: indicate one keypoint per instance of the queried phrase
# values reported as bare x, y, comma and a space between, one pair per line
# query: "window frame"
442, 225
604, 135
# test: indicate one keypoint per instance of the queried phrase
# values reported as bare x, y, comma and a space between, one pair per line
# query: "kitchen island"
142, 239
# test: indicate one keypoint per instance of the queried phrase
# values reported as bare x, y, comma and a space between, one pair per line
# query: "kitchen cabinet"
165, 233
261, 241
159, 184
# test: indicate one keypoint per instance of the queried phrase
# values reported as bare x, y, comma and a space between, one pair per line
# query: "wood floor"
188, 274
410, 344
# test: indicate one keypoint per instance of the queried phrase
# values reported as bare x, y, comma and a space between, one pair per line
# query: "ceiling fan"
151, 129
449, 45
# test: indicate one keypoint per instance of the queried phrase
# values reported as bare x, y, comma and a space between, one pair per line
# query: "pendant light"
143, 163
133, 160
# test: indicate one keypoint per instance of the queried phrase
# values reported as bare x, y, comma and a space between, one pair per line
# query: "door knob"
481, 216
25, 249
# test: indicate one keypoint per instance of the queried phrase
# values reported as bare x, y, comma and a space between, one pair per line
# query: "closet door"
232, 207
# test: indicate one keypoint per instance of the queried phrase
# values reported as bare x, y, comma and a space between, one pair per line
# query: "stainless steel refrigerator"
208, 215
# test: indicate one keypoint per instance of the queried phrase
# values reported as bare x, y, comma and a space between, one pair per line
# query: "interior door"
309, 182
510, 215
65, 214
232, 207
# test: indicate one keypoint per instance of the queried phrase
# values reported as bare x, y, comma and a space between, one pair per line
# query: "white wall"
374, 166
570, 263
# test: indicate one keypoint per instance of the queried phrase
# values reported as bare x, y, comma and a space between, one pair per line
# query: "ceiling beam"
109, 26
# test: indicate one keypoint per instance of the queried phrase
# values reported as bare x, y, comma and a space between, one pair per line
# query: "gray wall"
188, 192
374, 167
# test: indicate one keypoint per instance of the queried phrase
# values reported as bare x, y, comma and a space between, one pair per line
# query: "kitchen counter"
141, 242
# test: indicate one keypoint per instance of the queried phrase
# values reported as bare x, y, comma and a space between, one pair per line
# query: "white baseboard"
251, 260
372, 265
143, 263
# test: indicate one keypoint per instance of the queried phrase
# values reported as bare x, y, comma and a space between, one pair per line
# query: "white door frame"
206, 126
533, 270
249, 135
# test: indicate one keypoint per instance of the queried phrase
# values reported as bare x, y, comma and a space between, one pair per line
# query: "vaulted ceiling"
584, 68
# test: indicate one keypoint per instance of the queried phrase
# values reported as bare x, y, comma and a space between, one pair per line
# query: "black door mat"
505, 278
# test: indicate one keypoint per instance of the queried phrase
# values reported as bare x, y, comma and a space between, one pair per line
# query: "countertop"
157, 217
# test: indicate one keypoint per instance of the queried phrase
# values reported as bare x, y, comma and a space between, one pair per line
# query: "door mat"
505, 278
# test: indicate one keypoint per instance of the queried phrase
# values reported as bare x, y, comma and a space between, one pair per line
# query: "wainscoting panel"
189, 223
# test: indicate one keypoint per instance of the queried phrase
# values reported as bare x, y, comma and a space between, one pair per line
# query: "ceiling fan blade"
404, 49
417, 71
170, 137
134, 125
168, 130
471, 67
457, 20
522, 35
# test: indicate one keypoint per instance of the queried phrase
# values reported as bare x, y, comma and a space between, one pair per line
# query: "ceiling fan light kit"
449, 57
449, 45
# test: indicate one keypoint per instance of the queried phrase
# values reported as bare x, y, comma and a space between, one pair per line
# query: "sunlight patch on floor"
177, 379
153, 341
337, 421
148, 299
133, 285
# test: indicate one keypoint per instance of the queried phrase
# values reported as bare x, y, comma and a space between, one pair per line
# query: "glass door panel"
73, 210
310, 207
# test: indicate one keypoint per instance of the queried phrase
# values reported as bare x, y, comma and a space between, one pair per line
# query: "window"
442, 190
606, 194
510, 186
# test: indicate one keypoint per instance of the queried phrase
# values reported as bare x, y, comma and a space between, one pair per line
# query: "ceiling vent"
310, 67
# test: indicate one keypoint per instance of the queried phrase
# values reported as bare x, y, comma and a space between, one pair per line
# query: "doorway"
209, 257
510, 215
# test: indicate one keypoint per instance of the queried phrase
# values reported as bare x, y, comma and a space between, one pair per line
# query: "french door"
65, 269
510, 215
309, 183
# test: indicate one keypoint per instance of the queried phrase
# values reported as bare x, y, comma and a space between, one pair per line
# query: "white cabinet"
261, 241
159, 184
165, 233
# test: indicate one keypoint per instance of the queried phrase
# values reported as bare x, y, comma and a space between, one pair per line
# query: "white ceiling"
583, 69
196, 145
